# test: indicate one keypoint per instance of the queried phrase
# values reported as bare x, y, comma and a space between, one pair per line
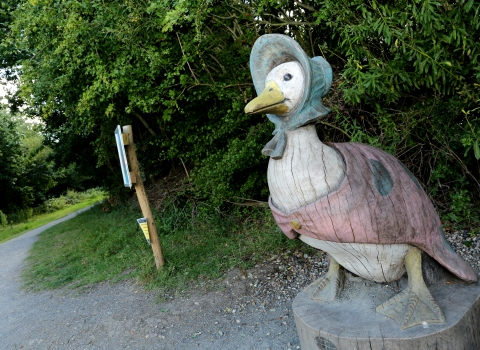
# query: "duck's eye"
287, 77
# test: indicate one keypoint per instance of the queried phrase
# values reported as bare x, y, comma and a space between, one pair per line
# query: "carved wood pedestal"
352, 323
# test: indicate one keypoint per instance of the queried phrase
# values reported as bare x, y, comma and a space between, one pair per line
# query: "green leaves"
175, 15
468, 6
431, 43
476, 149
26, 172
178, 72
471, 134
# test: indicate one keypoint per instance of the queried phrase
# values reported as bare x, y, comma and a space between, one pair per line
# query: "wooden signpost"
134, 177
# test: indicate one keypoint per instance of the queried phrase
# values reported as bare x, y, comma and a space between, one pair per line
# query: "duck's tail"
445, 255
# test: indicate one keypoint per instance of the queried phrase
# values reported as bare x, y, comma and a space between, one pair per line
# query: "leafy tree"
165, 68
28, 172
9, 53
409, 70
406, 79
11, 160
25, 173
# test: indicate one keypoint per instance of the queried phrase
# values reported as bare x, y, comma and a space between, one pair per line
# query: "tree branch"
223, 87
145, 123
306, 7
188, 63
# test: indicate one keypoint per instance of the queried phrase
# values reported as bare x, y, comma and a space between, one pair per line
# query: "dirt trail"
124, 316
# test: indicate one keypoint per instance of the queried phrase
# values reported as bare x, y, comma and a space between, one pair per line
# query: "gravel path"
250, 310
125, 316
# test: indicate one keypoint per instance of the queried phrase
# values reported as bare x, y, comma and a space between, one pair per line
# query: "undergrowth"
51, 205
9, 229
199, 244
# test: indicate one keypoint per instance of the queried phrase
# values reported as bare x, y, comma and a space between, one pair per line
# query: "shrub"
54, 204
3, 219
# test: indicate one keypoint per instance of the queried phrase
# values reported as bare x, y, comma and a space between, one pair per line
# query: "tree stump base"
350, 322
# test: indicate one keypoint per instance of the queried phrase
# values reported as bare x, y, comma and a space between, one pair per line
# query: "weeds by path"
199, 245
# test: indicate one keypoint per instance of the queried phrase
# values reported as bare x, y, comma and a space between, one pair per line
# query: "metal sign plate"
127, 181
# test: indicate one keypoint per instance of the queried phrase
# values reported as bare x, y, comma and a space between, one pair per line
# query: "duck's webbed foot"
415, 304
327, 287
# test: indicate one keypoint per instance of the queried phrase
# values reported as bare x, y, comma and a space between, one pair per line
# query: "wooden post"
142, 197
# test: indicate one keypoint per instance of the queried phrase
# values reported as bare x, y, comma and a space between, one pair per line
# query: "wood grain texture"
374, 262
143, 199
309, 170
352, 323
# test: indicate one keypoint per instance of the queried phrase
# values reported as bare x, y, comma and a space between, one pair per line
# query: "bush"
459, 210
54, 204
3, 219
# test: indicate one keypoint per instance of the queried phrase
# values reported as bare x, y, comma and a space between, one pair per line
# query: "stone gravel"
467, 246
249, 309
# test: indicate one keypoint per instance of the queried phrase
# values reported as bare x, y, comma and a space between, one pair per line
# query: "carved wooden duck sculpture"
357, 203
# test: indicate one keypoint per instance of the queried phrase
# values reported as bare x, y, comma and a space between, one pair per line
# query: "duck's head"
283, 91
289, 85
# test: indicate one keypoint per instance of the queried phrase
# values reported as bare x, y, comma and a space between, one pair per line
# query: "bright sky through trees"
5, 88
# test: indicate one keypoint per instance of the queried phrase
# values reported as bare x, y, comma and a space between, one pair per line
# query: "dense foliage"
409, 75
406, 80
9, 55
25, 173
28, 174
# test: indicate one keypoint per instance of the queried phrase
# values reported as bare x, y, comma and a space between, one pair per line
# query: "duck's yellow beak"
271, 101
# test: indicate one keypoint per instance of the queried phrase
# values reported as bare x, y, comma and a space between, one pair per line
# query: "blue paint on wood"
381, 177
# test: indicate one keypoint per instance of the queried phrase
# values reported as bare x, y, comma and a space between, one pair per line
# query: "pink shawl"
379, 202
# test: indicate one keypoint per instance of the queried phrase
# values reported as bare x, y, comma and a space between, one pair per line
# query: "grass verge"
13, 231
199, 245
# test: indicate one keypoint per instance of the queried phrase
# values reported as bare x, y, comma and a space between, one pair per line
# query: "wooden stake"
142, 198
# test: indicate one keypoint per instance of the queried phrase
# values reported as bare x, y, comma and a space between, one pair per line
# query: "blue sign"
127, 181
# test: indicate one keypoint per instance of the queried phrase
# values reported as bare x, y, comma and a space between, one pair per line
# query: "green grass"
12, 231
199, 245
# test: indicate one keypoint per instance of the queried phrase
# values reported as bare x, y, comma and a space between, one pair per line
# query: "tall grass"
199, 245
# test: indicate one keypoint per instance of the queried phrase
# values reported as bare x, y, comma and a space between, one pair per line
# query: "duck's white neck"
308, 170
